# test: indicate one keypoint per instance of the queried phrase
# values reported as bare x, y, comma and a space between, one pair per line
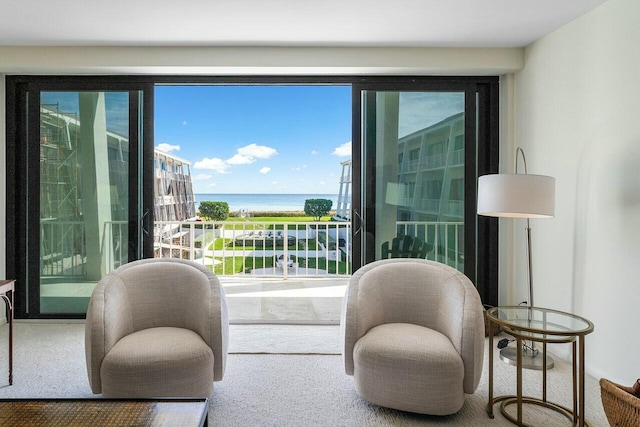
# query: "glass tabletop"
540, 320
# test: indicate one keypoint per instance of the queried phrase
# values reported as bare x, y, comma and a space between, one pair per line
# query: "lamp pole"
519, 195
528, 229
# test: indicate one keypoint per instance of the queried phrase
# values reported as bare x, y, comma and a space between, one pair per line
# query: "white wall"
577, 115
243, 61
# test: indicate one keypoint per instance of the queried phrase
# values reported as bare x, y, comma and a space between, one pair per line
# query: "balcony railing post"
285, 254
192, 241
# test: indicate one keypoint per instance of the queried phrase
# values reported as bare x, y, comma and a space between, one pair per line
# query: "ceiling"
354, 23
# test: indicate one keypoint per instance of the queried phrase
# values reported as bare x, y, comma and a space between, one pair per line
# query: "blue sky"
262, 139
257, 139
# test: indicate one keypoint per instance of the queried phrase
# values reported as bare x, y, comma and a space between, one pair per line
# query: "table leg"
519, 378
581, 414
11, 340
574, 375
544, 371
490, 404
9, 305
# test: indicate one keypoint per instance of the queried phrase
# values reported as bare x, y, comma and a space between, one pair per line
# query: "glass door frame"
481, 157
17, 87
23, 175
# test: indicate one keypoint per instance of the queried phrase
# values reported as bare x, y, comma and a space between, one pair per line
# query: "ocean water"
264, 202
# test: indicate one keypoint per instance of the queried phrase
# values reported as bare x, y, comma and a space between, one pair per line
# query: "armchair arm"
361, 311
109, 318
219, 326
206, 308
460, 319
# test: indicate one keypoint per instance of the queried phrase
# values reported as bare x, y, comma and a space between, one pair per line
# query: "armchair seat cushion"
409, 367
158, 362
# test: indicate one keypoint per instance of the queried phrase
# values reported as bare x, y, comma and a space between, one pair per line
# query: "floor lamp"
519, 196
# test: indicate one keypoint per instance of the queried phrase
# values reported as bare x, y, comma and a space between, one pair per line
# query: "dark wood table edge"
204, 419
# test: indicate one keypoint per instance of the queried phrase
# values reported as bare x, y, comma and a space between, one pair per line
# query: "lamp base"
509, 355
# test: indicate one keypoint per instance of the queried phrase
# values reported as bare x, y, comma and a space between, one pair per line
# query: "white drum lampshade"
516, 195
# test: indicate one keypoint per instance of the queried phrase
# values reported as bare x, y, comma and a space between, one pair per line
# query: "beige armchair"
157, 328
413, 335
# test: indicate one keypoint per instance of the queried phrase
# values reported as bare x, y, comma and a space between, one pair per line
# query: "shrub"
317, 207
214, 211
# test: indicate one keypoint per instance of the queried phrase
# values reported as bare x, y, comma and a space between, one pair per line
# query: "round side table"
545, 326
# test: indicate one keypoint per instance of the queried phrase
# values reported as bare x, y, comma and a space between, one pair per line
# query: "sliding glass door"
79, 197
423, 147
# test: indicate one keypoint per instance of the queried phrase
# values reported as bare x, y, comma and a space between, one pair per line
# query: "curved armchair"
413, 335
157, 327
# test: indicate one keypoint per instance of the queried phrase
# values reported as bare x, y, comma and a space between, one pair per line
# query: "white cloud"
314, 152
202, 177
257, 151
265, 170
215, 165
184, 123
250, 153
244, 156
343, 150
213, 184
239, 159
167, 148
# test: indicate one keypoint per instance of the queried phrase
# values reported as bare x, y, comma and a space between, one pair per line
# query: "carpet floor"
271, 383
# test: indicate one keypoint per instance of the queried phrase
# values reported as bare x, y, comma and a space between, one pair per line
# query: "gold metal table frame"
544, 326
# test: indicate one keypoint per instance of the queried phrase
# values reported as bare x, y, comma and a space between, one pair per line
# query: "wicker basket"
495, 328
621, 407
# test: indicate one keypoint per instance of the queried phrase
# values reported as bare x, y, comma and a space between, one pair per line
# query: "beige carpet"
292, 339
277, 389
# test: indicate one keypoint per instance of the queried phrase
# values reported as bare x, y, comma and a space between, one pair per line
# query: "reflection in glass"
419, 150
84, 169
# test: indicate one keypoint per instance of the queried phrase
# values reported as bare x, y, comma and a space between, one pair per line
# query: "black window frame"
487, 152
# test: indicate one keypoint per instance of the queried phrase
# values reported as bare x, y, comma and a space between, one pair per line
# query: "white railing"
435, 161
114, 248
284, 249
458, 158
64, 252
447, 239
413, 165
259, 249
62, 248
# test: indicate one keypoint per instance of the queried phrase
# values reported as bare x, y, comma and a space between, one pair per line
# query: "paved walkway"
295, 300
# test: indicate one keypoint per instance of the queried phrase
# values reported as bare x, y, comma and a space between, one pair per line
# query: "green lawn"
285, 219
230, 266
238, 264
266, 244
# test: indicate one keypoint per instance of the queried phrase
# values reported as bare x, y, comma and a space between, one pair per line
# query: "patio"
298, 300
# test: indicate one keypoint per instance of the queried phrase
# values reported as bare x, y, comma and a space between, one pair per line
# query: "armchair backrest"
163, 293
